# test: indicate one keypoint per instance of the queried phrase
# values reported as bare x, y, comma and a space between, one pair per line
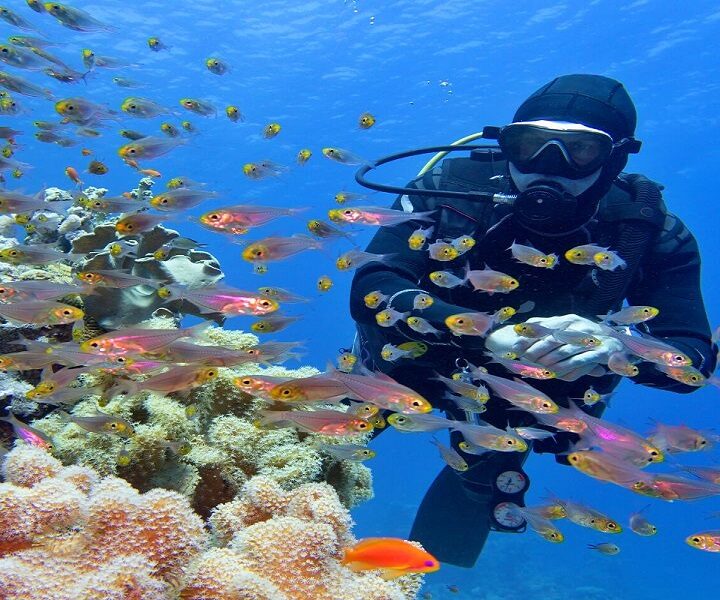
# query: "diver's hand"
569, 361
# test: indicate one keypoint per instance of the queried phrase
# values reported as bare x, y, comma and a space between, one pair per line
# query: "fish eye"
5, 50
67, 312
362, 425
703, 442
695, 539
286, 392
510, 442
113, 425
460, 322
246, 381
611, 525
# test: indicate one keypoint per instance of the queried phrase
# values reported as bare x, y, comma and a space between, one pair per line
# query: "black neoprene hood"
592, 100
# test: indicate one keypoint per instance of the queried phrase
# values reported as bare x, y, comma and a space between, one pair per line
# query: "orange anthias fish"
394, 556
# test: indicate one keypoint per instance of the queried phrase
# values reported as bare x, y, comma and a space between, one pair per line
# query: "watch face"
506, 514
511, 482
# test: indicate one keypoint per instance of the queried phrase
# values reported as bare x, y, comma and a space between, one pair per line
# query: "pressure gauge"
507, 515
511, 482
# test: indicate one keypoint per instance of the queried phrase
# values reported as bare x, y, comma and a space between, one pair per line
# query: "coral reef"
226, 447
66, 533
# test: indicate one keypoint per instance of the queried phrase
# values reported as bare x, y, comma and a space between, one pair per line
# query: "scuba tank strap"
636, 210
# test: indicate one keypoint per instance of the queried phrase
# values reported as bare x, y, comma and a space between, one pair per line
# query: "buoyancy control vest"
630, 216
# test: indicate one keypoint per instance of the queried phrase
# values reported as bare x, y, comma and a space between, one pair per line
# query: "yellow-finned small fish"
303, 156
271, 130
217, 66
233, 113
366, 120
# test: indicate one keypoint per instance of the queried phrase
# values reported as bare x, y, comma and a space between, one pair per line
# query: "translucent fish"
366, 120
281, 295
221, 298
149, 147
351, 452
653, 350
489, 437
522, 368
609, 260
343, 197
583, 255
679, 438
532, 256
391, 353
687, 375
303, 156
489, 281
446, 279
415, 423
138, 340
238, 218
271, 130
422, 326
175, 379
344, 157
101, 423
279, 248
180, 199
39, 254
382, 390
199, 107
450, 456
317, 388
709, 541
532, 330
21, 58
233, 113
389, 316
142, 107
588, 517
83, 112
263, 169
139, 222
518, 393
114, 278
346, 362
354, 259
606, 467
605, 548
376, 215
631, 315
442, 251
640, 525
466, 389
273, 323
74, 18
217, 66
22, 86
374, 299
10, 16
419, 237
463, 244
324, 230
422, 301
326, 422
537, 523
576, 338
31, 289
126, 82
30, 435
470, 323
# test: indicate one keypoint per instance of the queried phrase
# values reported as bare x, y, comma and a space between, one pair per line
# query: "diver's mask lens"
575, 152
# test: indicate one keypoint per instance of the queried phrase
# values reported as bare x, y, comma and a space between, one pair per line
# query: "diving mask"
569, 150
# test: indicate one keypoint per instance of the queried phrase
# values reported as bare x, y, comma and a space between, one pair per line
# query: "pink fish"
326, 422
220, 298
230, 219
489, 281
375, 215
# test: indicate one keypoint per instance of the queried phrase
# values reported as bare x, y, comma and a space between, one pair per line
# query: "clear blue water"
431, 72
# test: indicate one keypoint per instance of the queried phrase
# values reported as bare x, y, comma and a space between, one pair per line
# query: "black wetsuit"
668, 278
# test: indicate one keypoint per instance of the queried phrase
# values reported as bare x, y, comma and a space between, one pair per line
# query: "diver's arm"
670, 281
400, 274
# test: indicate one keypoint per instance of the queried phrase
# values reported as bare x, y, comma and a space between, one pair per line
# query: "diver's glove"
569, 361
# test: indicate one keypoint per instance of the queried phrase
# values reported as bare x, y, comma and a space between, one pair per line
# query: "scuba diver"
554, 181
